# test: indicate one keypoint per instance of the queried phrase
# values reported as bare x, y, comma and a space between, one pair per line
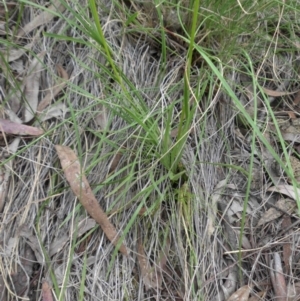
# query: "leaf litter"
8, 127
46, 292
31, 87
283, 206
46, 101
83, 191
242, 294
202, 260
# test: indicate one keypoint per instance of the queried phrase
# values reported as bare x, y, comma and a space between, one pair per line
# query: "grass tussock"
175, 111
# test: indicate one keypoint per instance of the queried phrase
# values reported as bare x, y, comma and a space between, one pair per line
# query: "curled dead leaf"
83, 191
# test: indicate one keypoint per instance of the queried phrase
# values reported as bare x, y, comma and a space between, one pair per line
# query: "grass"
155, 100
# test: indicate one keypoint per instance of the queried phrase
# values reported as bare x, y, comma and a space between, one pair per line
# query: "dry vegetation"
195, 163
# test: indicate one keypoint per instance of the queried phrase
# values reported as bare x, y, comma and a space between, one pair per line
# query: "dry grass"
188, 222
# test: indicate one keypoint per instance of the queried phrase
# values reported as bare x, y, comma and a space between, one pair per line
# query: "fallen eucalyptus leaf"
271, 214
83, 191
288, 190
12, 128
58, 110
278, 279
31, 87
42, 18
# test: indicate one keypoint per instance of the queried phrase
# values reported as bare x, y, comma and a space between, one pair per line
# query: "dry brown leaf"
115, 161
297, 99
12, 128
83, 245
42, 18
58, 110
50, 95
142, 211
16, 96
270, 215
292, 114
242, 294
83, 191
12, 116
20, 277
13, 146
246, 243
83, 227
164, 255
229, 286
150, 278
215, 199
46, 292
287, 247
3, 31
287, 205
294, 137
278, 93
14, 54
277, 278
32, 241
31, 87
5, 170
288, 190
4, 181
58, 244
18, 69
101, 119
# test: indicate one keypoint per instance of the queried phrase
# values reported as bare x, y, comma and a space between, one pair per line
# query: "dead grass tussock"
199, 264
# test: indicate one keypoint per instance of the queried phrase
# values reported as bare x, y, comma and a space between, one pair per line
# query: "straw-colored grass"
168, 107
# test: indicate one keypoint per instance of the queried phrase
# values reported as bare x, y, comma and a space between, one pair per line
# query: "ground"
149, 150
